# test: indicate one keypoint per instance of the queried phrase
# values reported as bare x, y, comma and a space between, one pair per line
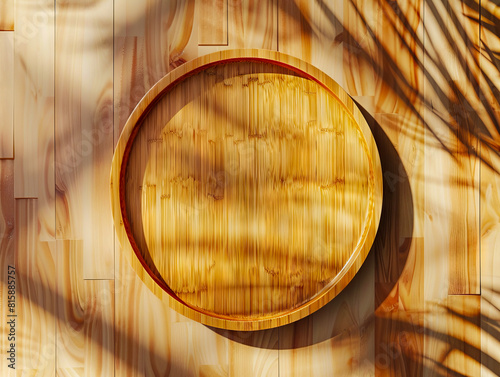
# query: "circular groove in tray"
246, 189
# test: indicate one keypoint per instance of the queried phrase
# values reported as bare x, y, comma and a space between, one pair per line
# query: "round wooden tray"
246, 189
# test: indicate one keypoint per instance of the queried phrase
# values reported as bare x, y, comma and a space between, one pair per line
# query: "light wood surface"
465, 256
35, 299
84, 131
251, 24
212, 28
34, 109
464, 335
490, 261
151, 38
84, 316
309, 33
7, 246
399, 60
338, 339
255, 155
363, 29
7, 94
7, 15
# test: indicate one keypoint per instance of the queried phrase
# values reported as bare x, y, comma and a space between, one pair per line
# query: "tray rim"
117, 189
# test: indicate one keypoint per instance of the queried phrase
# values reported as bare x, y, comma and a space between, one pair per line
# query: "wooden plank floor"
6, 15
6, 95
427, 74
34, 109
84, 130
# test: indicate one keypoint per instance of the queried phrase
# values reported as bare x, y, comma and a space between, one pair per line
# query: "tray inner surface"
248, 189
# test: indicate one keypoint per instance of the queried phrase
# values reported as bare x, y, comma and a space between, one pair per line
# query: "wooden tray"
246, 189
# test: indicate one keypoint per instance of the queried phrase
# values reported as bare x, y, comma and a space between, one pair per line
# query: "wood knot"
210, 268
257, 136
155, 140
265, 82
272, 271
177, 133
337, 182
216, 197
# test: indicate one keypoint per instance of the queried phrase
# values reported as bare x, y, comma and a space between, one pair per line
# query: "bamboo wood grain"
84, 131
7, 247
212, 26
7, 94
6, 15
138, 160
85, 317
34, 109
172, 256
35, 294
